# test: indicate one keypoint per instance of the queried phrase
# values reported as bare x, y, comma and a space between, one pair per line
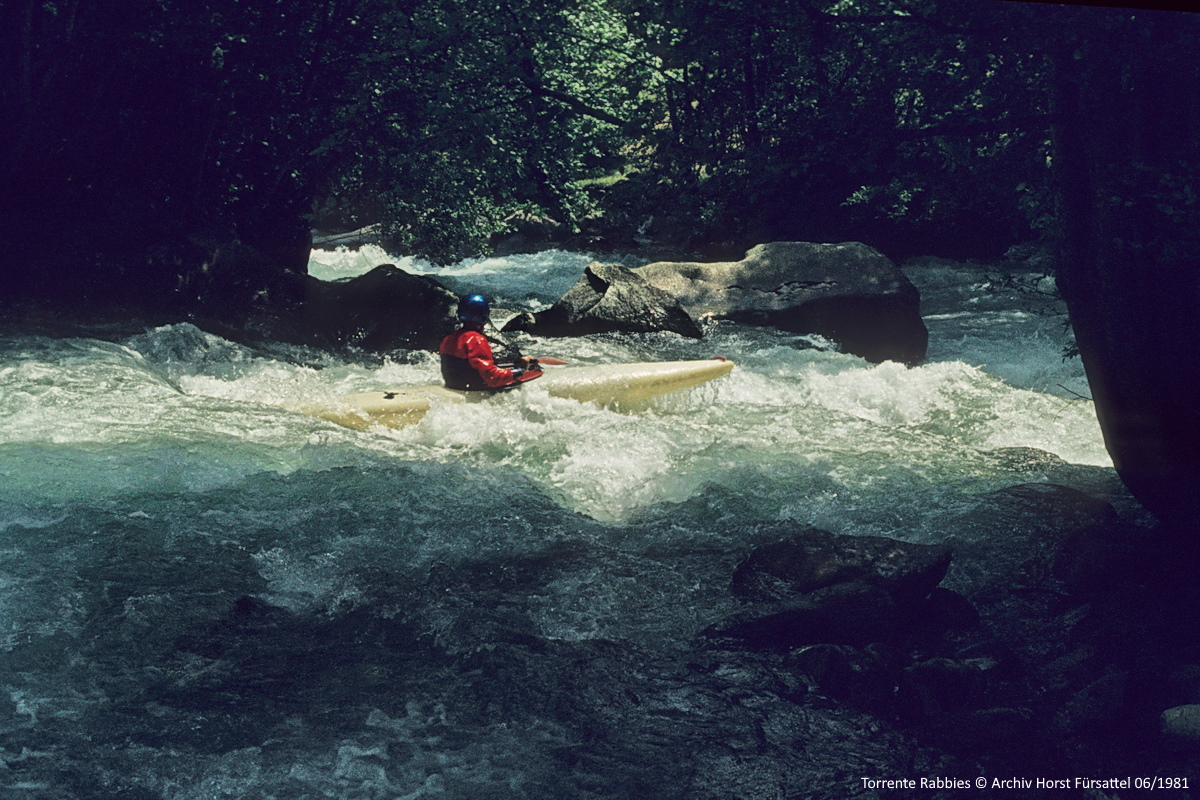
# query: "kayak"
604, 384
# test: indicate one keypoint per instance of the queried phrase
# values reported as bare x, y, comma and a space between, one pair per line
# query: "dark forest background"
176, 155
918, 126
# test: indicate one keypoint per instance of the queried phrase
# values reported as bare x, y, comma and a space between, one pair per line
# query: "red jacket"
467, 362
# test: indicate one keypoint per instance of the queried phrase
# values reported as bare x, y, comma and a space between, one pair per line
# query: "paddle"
545, 361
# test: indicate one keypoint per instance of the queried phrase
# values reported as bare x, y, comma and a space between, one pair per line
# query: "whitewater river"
206, 595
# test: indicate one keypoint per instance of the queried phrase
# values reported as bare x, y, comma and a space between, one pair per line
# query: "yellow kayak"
607, 383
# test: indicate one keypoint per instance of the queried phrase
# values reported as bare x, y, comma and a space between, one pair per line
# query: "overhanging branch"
538, 90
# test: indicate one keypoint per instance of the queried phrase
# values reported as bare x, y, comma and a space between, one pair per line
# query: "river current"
204, 594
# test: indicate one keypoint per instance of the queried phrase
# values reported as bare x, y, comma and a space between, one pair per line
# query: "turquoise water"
208, 595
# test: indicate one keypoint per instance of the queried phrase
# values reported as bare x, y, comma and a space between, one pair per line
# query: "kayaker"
467, 361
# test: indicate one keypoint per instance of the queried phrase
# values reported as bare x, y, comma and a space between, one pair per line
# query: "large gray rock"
608, 298
848, 292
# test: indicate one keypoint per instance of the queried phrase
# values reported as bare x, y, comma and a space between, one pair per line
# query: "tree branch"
536, 89
967, 128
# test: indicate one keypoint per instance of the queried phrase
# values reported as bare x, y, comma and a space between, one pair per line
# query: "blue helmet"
474, 308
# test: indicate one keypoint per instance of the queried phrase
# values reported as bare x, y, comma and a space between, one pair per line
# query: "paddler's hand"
527, 362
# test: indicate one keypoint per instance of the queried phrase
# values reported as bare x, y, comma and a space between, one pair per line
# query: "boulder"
849, 293
864, 678
812, 559
1037, 537
385, 309
932, 687
816, 587
1182, 722
608, 298
855, 613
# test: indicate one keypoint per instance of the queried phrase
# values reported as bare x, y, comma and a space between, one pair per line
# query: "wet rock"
385, 309
950, 610
996, 660
1006, 734
812, 559
1034, 536
1025, 459
864, 678
1182, 722
1094, 556
1102, 704
936, 686
1077, 667
609, 298
848, 292
932, 623
846, 613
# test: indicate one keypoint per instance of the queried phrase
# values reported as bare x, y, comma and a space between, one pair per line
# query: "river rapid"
204, 594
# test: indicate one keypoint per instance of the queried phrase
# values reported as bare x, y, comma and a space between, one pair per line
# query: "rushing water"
205, 595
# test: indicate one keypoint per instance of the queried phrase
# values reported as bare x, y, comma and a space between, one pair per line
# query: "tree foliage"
839, 119
915, 125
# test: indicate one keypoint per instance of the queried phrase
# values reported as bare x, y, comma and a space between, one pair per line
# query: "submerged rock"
848, 292
812, 559
608, 298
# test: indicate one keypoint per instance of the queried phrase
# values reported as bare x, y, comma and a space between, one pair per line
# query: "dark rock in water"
385, 309
608, 298
1182, 722
1034, 536
812, 559
848, 292
863, 678
1054, 637
1006, 734
933, 687
845, 613
1100, 703
1027, 557
817, 587
950, 610
524, 321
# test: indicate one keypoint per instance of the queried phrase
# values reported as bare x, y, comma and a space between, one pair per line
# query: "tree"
142, 125
822, 120
150, 136
495, 107
1128, 160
